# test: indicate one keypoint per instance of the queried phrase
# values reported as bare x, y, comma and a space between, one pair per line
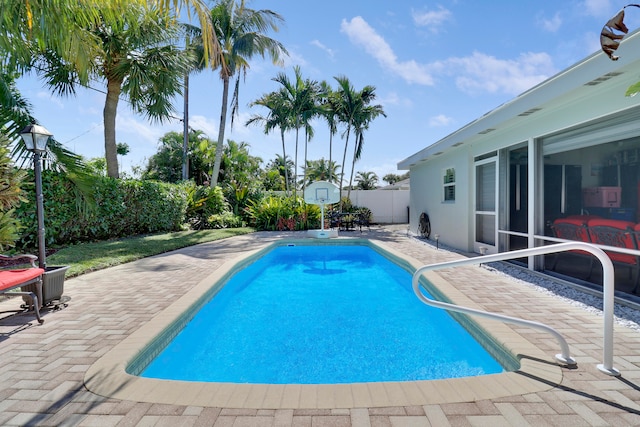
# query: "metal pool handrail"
565, 356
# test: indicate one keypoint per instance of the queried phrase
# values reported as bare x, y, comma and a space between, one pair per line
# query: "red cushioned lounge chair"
12, 279
617, 233
573, 228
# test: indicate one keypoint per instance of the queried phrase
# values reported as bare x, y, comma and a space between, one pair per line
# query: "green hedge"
116, 208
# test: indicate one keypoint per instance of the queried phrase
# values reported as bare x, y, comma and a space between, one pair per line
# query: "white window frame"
448, 184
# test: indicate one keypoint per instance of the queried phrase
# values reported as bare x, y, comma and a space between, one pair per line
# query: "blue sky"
436, 66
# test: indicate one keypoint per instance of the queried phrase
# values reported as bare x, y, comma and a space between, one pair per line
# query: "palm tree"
329, 104
58, 28
197, 51
137, 58
320, 170
15, 115
53, 26
310, 109
361, 122
277, 117
347, 104
239, 30
356, 113
367, 180
284, 166
298, 99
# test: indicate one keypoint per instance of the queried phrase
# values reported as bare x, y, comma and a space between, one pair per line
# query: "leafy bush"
283, 213
115, 208
225, 220
203, 202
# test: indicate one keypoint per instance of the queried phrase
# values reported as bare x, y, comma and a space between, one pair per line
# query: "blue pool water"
320, 314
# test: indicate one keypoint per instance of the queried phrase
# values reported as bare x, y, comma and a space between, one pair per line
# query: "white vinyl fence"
387, 206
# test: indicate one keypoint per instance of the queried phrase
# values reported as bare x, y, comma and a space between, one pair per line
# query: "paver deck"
43, 368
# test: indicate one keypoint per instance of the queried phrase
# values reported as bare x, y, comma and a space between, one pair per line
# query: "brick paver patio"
43, 368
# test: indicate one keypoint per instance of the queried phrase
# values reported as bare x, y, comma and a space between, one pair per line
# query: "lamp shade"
35, 137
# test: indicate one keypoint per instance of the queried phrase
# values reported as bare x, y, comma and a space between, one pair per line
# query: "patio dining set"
348, 221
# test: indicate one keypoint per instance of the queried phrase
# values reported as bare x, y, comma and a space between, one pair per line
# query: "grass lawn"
86, 257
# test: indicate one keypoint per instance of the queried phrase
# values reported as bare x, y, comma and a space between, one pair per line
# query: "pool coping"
108, 376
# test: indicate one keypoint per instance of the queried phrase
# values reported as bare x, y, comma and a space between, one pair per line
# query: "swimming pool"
318, 314
115, 375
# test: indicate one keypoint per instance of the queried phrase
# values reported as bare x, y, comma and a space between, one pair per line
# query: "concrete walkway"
42, 368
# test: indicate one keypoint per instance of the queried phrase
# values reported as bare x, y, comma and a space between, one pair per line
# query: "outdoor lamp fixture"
35, 138
437, 237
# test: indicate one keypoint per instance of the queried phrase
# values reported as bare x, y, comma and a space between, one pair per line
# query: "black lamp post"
35, 138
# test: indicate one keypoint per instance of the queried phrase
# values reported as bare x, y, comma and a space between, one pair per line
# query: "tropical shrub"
283, 213
10, 193
203, 201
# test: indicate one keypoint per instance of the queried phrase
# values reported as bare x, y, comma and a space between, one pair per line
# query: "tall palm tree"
276, 117
53, 26
240, 32
329, 104
347, 103
311, 108
136, 58
361, 123
197, 51
58, 28
298, 98
357, 113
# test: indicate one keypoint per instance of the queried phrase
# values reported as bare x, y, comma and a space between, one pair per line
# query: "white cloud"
552, 24
361, 34
440, 120
292, 59
321, 46
204, 124
432, 18
480, 73
393, 98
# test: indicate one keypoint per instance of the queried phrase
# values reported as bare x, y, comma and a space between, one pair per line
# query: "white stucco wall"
450, 220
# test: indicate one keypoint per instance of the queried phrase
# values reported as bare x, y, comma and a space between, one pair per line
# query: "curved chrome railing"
565, 356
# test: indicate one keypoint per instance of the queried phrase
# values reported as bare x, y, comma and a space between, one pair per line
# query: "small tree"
366, 181
392, 178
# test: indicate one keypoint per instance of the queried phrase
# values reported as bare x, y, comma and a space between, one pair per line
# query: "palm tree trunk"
344, 159
295, 169
185, 132
330, 155
304, 177
353, 164
223, 121
284, 159
109, 117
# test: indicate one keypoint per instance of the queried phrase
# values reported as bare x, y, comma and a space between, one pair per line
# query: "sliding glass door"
485, 204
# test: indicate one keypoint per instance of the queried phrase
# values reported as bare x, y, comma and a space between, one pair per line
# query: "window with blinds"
449, 185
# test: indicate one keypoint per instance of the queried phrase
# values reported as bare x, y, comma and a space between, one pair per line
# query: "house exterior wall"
577, 108
449, 219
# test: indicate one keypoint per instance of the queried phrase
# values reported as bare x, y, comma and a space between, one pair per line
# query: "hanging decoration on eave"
613, 32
